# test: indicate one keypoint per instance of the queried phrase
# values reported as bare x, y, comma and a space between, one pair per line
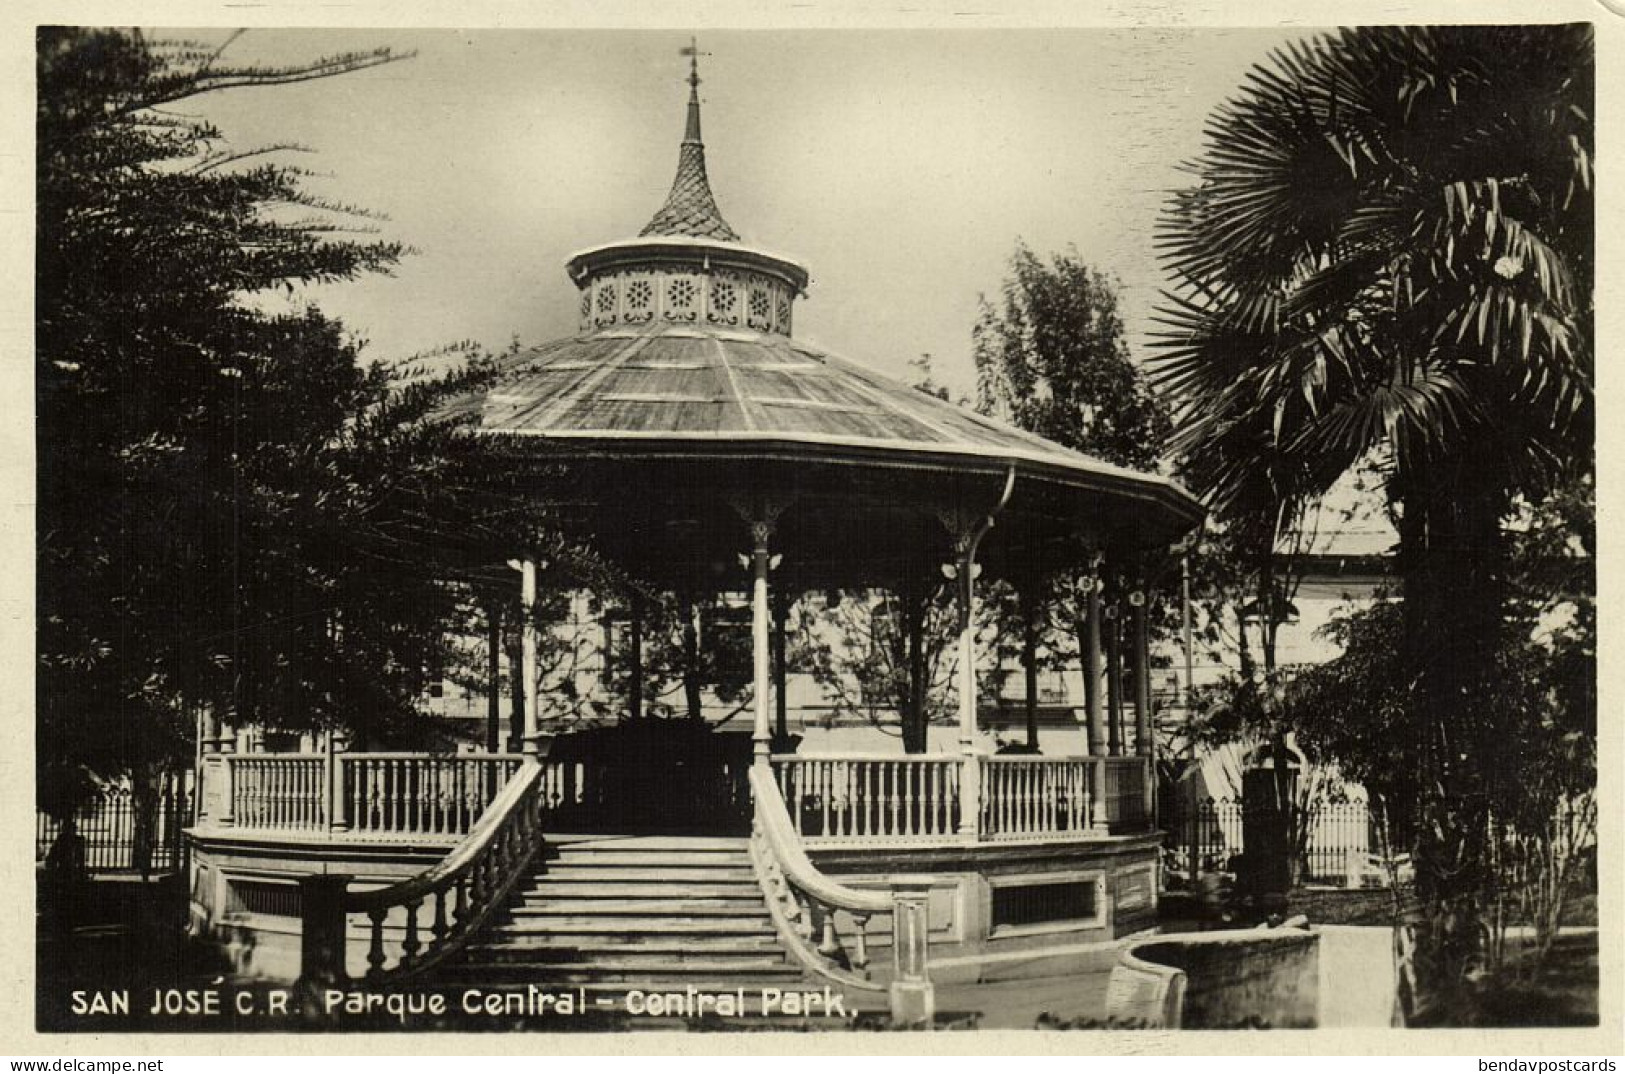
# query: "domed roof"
672, 382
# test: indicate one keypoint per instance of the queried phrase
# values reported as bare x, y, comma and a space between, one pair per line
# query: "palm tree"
1387, 255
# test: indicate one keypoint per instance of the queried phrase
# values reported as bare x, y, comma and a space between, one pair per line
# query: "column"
692, 694
761, 531
781, 701
1091, 672
970, 779
493, 678
1145, 743
1142, 673
527, 603
516, 686
1114, 681
634, 658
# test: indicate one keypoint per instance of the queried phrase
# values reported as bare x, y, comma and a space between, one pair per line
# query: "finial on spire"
692, 51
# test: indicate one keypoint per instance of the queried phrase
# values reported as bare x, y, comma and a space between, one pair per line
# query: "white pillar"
970, 778
761, 733
527, 603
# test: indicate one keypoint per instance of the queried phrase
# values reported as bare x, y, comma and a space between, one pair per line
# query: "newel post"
228, 793
913, 998
322, 938
336, 800
1097, 804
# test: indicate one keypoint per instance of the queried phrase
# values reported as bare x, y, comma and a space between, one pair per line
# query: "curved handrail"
798, 868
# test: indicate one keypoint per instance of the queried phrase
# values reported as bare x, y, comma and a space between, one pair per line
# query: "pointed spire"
691, 209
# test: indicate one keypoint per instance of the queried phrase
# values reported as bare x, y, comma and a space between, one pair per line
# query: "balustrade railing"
831, 799
370, 794
282, 792
871, 799
412, 793
414, 924
1032, 797
1127, 793
921, 799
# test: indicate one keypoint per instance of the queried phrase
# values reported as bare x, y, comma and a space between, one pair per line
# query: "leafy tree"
236, 513
1387, 255
1052, 359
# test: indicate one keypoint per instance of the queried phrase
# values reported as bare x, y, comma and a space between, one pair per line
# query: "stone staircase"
601, 919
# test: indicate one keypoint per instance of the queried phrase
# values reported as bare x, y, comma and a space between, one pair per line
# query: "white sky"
899, 166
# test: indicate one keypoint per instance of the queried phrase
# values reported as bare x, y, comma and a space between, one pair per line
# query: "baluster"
356, 773
267, 792
996, 790
942, 795
1012, 799
911, 779
280, 800
459, 906
403, 795
877, 808
860, 956
375, 949
420, 797
826, 778
1026, 775
411, 945
439, 929
793, 772
894, 774
377, 787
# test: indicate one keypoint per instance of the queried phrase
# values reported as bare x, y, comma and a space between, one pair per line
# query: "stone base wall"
964, 921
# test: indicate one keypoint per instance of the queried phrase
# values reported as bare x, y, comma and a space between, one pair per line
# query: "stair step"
730, 859
631, 970
552, 888
751, 907
616, 990
650, 873
538, 924
616, 946
654, 843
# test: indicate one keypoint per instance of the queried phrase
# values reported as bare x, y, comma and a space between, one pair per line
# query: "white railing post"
228, 791
970, 797
527, 599
913, 999
1097, 802
337, 796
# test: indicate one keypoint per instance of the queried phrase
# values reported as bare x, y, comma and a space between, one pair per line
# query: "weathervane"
692, 51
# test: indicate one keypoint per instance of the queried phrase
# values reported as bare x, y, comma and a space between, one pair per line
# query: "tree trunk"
691, 658
916, 711
516, 712
1451, 559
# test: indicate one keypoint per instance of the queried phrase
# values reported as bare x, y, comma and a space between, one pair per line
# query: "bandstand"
702, 448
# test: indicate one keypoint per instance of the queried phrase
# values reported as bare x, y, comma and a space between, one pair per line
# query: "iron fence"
106, 829
1338, 836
